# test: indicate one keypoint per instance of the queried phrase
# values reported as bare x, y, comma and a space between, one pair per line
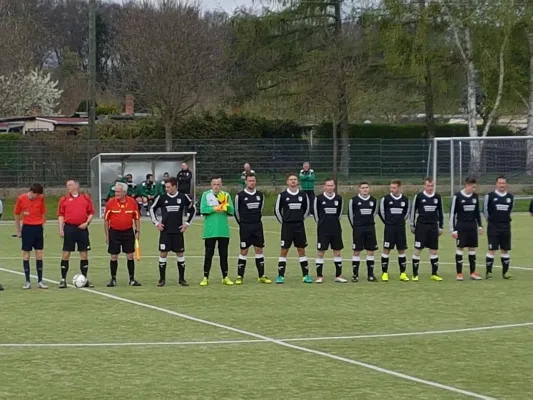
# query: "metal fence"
53, 161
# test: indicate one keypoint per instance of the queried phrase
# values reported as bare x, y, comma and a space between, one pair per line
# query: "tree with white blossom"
21, 92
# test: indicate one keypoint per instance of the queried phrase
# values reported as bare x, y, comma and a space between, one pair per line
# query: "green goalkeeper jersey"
216, 223
160, 189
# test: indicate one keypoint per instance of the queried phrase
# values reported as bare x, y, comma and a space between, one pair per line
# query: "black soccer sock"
472, 261
338, 266
370, 265
84, 267
223, 244
416, 264
241, 265
64, 268
181, 268
162, 268
434, 259
260, 265
402, 260
131, 269
209, 253
356, 261
304, 265
319, 266
506, 263
459, 262
39, 265
282, 265
113, 267
489, 260
26, 266
384, 263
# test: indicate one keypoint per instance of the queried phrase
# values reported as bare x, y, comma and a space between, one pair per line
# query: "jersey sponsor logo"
366, 211
469, 207
502, 207
295, 206
430, 208
396, 211
330, 210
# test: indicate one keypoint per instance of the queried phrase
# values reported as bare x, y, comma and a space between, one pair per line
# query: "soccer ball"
79, 281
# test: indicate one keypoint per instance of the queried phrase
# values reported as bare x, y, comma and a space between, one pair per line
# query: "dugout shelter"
106, 167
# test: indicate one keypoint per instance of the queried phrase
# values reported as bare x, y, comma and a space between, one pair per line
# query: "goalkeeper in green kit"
215, 206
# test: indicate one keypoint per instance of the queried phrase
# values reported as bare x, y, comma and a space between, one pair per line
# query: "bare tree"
171, 58
463, 24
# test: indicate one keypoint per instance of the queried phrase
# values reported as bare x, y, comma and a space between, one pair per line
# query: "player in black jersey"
174, 206
393, 211
427, 227
291, 209
497, 208
361, 212
327, 213
465, 223
249, 205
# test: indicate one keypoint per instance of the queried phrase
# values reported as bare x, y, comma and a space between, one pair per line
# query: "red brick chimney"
130, 106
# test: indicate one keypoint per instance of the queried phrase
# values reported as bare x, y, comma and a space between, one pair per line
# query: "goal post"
106, 167
484, 158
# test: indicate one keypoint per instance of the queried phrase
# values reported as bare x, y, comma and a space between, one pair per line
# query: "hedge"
406, 131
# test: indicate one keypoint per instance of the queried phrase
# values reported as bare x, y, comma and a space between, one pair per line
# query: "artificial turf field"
394, 340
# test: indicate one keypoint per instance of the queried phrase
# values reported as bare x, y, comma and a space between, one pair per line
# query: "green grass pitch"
390, 340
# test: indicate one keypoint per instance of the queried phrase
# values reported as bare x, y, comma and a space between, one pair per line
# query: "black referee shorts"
74, 236
251, 235
174, 242
121, 241
32, 237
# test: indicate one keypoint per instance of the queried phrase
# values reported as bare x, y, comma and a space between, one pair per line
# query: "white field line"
99, 257
282, 344
299, 339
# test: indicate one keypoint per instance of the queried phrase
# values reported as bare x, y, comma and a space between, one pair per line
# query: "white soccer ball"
79, 280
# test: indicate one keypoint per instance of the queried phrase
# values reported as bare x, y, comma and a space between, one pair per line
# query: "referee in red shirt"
74, 215
31, 210
121, 213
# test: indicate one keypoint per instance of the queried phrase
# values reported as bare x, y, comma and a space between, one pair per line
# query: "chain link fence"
53, 161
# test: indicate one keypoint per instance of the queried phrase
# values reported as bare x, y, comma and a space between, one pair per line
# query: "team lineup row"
425, 213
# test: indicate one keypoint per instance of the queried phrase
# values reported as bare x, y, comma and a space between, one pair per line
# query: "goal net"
455, 159
107, 167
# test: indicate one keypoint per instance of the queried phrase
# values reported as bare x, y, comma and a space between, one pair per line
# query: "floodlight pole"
92, 69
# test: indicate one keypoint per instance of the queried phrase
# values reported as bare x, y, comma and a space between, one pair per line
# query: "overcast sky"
221, 5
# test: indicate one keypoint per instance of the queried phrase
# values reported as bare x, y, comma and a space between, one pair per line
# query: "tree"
21, 93
308, 52
466, 19
170, 58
